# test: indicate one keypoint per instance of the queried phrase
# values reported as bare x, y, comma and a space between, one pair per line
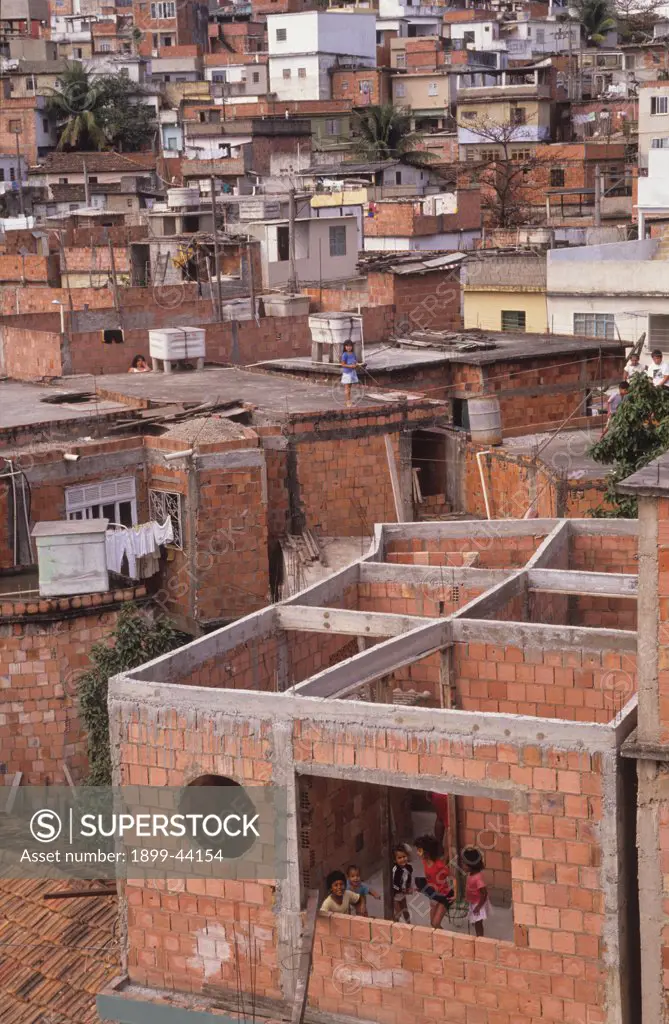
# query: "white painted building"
239, 81
409, 18
303, 47
653, 191
653, 119
615, 290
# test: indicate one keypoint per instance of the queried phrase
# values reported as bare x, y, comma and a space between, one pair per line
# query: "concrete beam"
591, 584
555, 548
341, 621
486, 605
327, 590
606, 527
555, 638
127, 693
489, 528
434, 575
366, 667
170, 667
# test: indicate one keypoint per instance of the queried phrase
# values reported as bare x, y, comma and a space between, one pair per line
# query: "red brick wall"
596, 553
428, 302
23, 110
40, 663
30, 354
346, 86
512, 553
25, 270
573, 685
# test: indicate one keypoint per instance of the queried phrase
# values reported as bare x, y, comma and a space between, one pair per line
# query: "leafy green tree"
596, 19
135, 639
128, 125
95, 113
637, 434
384, 133
76, 106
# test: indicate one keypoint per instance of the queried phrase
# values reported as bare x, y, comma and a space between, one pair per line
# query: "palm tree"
76, 105
384, 133
596, 20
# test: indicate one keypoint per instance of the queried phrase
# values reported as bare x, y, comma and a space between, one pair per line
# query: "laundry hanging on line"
140, 545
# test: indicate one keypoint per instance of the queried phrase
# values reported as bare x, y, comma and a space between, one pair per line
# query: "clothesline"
139, 545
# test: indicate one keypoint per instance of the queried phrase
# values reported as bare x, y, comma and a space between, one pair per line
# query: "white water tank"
71, 557
178, 197
329, 332
177, 343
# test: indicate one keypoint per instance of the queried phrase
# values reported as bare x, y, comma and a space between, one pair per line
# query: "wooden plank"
13, 793
306, 955
394, 479
341, 621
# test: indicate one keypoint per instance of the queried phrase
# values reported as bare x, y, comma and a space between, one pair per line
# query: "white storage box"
71, 557
175, 343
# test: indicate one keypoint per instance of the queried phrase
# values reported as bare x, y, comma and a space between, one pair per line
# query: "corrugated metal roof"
452, 259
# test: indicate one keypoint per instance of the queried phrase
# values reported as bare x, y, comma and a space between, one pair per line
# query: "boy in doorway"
339, 899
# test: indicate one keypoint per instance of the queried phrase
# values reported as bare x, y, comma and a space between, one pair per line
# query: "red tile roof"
55, 956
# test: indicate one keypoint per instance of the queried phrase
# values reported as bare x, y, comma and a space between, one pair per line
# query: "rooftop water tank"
172, 344
71, 557
329, 332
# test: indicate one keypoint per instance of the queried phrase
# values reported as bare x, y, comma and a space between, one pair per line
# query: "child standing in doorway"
436, 884
476, 890
339, 899
354, 883
402, 883
349, 365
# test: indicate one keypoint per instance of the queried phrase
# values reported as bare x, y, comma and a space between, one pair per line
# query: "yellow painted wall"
483, 309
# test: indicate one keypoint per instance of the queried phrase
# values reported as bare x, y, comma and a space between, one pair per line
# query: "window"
105, 48
92, 179
129, 203
14, 127
401, 60
513, 319
114, 500
62, 181
521, 154
163, 504
171, 143
2, 173
662, 143
46, 127
432, 88
398, 177
365, 87
30, 83
595, 325
169, 226
468, 115
400, 90
468, 37
77, 52
488, 155
301, 72
332, 127
286, 72
518, 115
112, 336
282, 243
541, 36
12, 174
281, 34
557, 177
338, 240
163, 9
659, 104
256, 77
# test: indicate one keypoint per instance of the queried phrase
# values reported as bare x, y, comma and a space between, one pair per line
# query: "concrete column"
650, 895
288, 906
648, 730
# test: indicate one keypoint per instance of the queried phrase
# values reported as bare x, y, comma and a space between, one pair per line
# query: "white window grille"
595, 325
659, 104
167, 503
115, 500
163, 9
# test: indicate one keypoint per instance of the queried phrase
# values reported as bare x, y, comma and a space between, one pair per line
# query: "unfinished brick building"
493, 662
